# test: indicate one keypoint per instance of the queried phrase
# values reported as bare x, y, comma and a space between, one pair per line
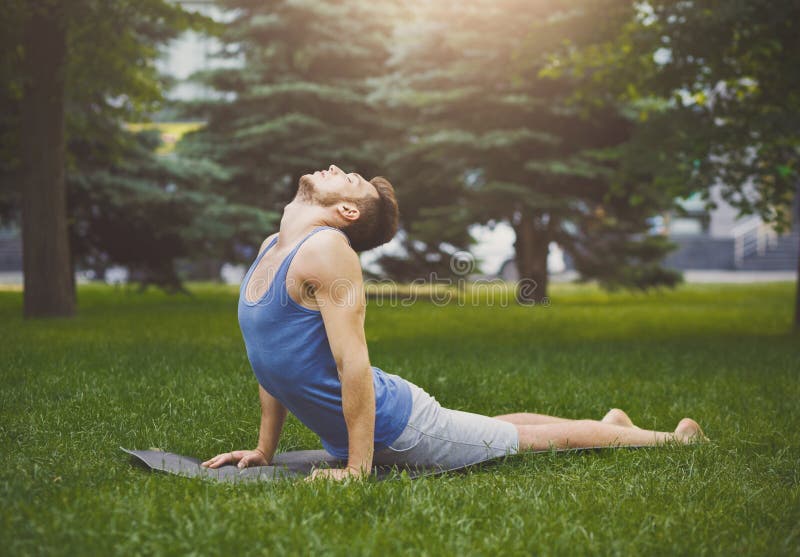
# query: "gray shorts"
447, 439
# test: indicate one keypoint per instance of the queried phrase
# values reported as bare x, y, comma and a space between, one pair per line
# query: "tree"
300, 101
74, 72
145, 211
725, 84
49, 288
501, 135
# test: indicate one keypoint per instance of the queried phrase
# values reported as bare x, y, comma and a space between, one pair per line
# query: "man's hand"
336, 474
244, 458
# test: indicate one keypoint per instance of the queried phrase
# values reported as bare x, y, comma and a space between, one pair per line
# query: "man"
301, 312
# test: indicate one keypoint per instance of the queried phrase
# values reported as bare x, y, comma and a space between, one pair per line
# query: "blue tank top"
290, 355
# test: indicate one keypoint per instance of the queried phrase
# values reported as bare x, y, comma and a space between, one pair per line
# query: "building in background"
707, 240
717, 239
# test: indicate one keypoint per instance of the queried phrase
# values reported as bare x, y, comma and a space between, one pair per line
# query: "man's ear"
348, 211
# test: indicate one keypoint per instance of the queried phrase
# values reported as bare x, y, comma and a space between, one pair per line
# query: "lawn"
153, 370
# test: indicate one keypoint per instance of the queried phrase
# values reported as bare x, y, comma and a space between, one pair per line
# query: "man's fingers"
244, 458
219, 460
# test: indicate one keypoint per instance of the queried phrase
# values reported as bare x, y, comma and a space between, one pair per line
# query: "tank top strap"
254, 264
271, 243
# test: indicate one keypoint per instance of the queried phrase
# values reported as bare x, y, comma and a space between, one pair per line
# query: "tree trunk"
531, 247
796, 230
49, 288
72, 269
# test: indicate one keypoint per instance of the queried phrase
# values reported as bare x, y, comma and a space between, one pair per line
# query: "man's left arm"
338, 288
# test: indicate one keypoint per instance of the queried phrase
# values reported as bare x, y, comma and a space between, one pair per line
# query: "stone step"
782, 257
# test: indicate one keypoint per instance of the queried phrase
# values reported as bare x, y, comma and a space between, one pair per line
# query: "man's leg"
527, 418
577, 434
614, 416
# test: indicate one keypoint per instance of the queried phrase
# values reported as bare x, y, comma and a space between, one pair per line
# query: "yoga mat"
287, 465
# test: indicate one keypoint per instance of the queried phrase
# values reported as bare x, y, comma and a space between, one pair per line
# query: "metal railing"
752, 238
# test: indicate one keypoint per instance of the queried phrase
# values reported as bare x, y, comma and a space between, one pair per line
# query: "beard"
305, 189
307, 192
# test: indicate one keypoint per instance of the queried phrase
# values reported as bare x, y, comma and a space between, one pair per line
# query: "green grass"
157, 371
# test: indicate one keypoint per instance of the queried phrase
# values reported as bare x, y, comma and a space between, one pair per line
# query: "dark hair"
378, 219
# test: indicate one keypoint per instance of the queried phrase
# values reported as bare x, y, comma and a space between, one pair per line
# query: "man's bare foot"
688, 431
618, 417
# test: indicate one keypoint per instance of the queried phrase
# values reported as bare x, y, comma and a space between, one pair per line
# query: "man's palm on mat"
243, 458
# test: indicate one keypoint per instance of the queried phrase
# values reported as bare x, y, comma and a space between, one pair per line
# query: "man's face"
328, 187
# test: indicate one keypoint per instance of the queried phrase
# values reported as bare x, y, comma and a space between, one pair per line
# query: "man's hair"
378, 219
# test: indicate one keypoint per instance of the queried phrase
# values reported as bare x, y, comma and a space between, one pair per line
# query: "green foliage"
111, 75
500, 132
726, 80
113, 48
573, 121
146, 211
157, 371
126, 205
300, 102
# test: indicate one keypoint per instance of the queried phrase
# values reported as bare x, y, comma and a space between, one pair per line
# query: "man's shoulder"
328, 252
330, 239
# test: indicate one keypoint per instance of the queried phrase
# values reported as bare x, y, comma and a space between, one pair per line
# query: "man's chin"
305, 188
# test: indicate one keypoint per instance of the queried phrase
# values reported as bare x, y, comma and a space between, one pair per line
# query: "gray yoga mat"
287, 465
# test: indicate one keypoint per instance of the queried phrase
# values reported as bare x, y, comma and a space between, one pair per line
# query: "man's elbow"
353, 364
355, 373
358, 390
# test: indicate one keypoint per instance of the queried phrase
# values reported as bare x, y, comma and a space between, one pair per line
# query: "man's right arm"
273, 415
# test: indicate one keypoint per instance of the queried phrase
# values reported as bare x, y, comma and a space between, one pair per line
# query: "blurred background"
155, 142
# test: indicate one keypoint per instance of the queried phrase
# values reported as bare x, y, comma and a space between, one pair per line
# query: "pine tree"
300, 101
501, 135
72, 74
148, 211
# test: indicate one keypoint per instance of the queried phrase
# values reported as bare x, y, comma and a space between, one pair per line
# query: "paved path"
740, 277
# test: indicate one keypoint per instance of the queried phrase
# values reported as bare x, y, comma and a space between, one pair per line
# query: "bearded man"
301, 313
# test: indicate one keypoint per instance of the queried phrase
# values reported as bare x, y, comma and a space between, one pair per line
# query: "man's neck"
299, 218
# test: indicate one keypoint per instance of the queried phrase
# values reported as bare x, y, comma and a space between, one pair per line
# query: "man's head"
365, 210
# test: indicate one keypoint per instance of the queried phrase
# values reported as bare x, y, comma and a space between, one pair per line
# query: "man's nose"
333, 168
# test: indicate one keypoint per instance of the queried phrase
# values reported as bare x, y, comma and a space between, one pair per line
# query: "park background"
600, 150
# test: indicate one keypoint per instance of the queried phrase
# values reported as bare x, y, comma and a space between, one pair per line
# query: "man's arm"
338, 287
273, 415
